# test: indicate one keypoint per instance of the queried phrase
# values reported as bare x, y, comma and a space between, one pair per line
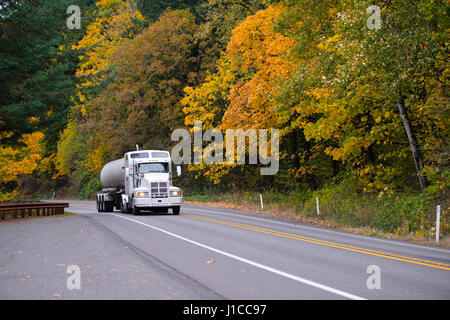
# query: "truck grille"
159, 190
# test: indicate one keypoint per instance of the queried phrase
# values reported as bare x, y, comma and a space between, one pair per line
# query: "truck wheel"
176, 210
124, 208
136, 210
109, 206
101, 207
98, 204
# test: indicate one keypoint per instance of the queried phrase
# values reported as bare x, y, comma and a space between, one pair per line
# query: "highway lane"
219, 253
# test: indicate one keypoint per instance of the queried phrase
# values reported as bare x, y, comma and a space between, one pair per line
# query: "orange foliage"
260, 53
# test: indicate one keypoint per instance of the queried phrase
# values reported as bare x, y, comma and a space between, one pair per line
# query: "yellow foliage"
97, 158
19, 161
113, 26
105, 34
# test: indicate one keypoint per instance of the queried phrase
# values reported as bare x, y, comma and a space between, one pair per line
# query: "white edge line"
317, 229
253, 263
320, 229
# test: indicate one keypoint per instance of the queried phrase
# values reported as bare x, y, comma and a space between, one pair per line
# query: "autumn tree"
112, 22
17, 162
142, 104
362, 87
239, 94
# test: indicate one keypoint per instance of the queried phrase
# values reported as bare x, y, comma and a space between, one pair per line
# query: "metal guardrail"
31, 208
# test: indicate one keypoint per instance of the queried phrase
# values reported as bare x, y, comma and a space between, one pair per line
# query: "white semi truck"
141, 180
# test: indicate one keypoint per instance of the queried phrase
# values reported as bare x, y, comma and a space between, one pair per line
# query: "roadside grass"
408, 216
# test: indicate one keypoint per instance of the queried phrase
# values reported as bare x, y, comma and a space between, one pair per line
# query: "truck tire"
136, 210
176, 210
123, 207
109, 206
101, 204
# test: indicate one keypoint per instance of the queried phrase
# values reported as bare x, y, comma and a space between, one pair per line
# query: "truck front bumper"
158, 202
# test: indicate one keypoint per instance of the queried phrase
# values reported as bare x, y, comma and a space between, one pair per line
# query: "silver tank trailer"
112, 174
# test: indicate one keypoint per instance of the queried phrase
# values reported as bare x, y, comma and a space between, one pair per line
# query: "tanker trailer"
141, 180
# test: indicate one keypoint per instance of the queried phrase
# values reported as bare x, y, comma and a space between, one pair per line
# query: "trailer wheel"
101, 204
176, 210
109, 206
97, 203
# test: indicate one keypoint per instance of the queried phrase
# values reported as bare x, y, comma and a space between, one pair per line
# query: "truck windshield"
154, 167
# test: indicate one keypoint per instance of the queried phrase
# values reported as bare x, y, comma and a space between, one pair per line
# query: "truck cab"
144, 183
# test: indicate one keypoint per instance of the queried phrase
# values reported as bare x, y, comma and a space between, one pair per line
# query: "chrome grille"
159, 190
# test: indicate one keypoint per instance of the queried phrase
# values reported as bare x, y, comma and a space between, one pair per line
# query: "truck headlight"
175, 193
142, 194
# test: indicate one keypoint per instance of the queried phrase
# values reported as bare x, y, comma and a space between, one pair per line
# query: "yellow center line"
326, 243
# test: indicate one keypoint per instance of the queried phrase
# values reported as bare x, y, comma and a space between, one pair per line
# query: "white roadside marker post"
438, 219
260, 198
317, 204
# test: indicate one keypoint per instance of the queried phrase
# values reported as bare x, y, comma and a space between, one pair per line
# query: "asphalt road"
209, 253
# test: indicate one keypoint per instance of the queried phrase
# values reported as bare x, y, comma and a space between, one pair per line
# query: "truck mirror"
178, 171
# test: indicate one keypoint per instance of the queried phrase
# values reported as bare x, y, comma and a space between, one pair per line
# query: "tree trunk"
412, 142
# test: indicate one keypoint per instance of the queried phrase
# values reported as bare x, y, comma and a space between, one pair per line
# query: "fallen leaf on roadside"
56, 295
210, 261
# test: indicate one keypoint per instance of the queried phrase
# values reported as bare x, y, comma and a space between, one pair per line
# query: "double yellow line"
387, 255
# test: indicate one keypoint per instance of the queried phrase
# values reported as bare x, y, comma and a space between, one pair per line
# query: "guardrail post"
28, 209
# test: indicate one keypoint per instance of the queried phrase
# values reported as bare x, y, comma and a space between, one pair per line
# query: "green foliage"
398, 214
36, 68
153, 9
